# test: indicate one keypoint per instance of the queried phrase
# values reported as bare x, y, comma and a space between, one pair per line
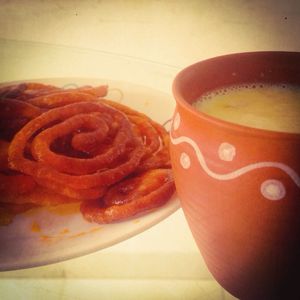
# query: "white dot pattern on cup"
226, 152
273, 189
185, 160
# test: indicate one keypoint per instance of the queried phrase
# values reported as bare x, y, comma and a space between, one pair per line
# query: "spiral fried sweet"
12, 183
77, 150
130, 197
154, 136
26, 91
14, 114
65, 97
61, 145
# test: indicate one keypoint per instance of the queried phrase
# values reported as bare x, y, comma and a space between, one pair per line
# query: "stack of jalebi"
64, 145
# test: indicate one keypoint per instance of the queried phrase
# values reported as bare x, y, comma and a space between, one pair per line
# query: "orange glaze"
65, 234
35, 227
64, 231
136, 221
64, 209
45, 238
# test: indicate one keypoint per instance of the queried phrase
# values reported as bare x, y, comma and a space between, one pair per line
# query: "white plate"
43, 236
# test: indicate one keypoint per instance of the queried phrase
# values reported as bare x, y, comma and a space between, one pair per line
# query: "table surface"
145, 43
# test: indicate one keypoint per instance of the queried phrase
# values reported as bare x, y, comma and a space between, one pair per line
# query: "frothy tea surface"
271, 107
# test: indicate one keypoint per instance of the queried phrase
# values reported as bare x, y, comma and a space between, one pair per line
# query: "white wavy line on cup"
232, 175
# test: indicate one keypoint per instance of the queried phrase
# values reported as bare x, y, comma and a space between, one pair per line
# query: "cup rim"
223, 123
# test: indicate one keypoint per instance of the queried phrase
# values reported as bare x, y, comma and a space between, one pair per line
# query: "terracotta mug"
239, 187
